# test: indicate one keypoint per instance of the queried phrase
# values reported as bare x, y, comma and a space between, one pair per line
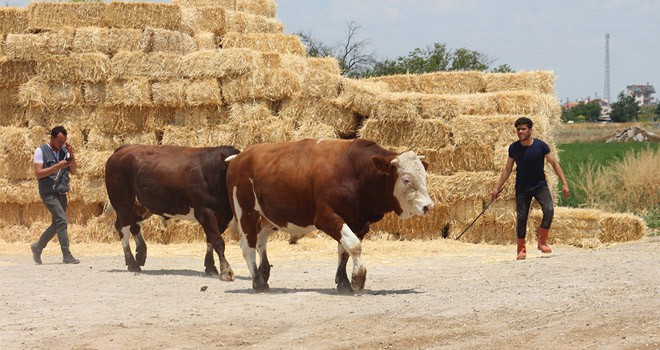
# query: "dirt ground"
436, 294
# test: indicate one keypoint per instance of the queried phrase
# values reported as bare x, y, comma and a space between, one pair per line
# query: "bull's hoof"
141, 259
228, 275
134, 268
358, 279
211, 271
344, 288
261, 287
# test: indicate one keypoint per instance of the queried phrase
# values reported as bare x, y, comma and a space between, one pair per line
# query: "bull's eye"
407, 182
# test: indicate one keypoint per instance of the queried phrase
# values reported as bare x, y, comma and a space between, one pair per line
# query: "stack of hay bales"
213, 72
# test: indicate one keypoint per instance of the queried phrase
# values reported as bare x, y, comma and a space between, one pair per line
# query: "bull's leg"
262, 243
353, 246
140, 247
249, 254
341, 279
209, 261
128, 255
213, 228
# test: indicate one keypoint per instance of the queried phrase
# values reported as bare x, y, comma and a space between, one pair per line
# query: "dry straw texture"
266, 84
257, 7
219, 63
154, 65
436, 83
48, 15
143, 15
13, 20
281, 43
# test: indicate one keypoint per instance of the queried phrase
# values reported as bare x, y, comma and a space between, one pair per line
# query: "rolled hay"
620, 227
281, 43
142, 15
13, 20
219, 63
19, 191
92, 162
122, 39
134, 92
253, 123
46, 15
209, 19
172, 41
14, 73
169, 93
577, 227
258, 7
242, 22
207, 117
206, 41
310, 129
83, 67
413, 133
308, 111
436, 83
93, 94
34, 47
131, 120
154, 65
535, 81
265, 84
203, 92
101, 140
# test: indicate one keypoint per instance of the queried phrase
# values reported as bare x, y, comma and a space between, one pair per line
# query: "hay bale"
357, 95
155, 65
135, 92
536, 81
452, 159
101, 140
46, 15
92, 162
142, 15
203, 92
82, 67
65, 94
206, 41
16, 167
19, 191
270, 60
578, 227
13, 20
133, 120
25, 47
309, 111
265, 8
172, 41
242, 22
93, 94
253, 123
266, 84
436, 83
620, 227
14, 73
218, 63
208, 117
317, 130
10, 214
126, 39
34, 93
281, 43
169, 93
178, 135
91, 39
420, 133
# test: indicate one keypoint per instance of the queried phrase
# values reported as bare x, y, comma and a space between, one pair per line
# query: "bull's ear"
426, 165
382, 164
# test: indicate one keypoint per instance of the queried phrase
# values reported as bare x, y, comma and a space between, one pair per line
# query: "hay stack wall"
212, 72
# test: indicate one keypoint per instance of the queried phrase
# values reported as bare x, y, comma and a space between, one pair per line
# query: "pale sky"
565, 36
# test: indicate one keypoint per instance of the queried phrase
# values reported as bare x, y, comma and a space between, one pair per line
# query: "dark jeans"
56, 204
523, 201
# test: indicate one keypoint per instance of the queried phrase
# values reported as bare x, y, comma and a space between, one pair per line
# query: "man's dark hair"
519, 121
57, 130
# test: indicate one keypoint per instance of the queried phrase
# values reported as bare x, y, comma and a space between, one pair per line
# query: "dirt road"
419, 295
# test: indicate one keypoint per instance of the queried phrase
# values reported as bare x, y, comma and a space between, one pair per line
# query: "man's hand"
565, 190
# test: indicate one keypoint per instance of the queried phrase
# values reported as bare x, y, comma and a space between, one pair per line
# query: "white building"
643, 93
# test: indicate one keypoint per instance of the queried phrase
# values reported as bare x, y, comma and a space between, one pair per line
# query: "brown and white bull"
171, 182
337, 186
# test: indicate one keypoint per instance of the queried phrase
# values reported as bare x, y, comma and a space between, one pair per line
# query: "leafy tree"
315, 48
582, 112
503, 68
625, 109
657, 111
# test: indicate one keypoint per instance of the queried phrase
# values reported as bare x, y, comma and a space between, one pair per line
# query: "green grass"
574, 155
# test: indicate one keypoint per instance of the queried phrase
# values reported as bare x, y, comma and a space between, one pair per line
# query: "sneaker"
69, 259
36, 253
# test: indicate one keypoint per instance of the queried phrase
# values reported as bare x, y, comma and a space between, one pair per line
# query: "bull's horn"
421, 158
228, 159
395, 162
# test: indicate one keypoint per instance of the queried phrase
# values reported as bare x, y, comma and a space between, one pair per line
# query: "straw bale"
203, 92
242, 22
64, 94
535, 81
492, 129
155, 65
14, 73
428, 227
327, 64
120, 120
169, 93
258, 7
319, 77
25, 47
219, 63
68, 116
122, 39
77, 212
101, 140
91, 39
16, 167
172, 41
19, 191
128, 92
281, 43
452, 159
142, 15
202, 116
15, 233
266, 84
34, 93
421, 133
210, 19
206, 41
13, 20
10, 214
179, 136
93, 94
270, 60
310, 111
253, 123
620, 227
526, 103
358, 94
12, 115
214, 136
578, 227
8, 96
311, 129
3, 38
436, 83
82, 67
99, 229
92, 162
44, 15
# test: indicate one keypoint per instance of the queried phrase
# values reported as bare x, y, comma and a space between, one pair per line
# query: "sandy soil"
419, 295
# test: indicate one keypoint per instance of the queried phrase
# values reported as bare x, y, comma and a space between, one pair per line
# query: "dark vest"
48, 184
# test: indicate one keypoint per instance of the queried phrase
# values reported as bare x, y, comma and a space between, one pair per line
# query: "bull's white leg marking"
353, 246
248, 253
209, 248
126, 231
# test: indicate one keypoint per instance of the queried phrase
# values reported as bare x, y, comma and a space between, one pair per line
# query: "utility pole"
606, 89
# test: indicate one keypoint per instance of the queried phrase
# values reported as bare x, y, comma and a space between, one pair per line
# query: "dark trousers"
524, 200
56, 204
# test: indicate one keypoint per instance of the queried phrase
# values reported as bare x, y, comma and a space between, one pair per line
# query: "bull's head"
410, 186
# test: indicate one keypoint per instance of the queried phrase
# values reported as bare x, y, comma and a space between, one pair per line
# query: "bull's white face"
410, 187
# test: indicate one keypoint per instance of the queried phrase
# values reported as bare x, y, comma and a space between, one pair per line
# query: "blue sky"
567, 37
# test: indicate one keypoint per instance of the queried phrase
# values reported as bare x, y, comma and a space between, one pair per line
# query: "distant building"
643, 93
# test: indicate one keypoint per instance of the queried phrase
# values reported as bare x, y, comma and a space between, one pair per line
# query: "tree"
657, 111
625, 109
503, 68
583, 111
315, 48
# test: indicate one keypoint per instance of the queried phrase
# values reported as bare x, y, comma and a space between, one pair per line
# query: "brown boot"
522, 252
543, 240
